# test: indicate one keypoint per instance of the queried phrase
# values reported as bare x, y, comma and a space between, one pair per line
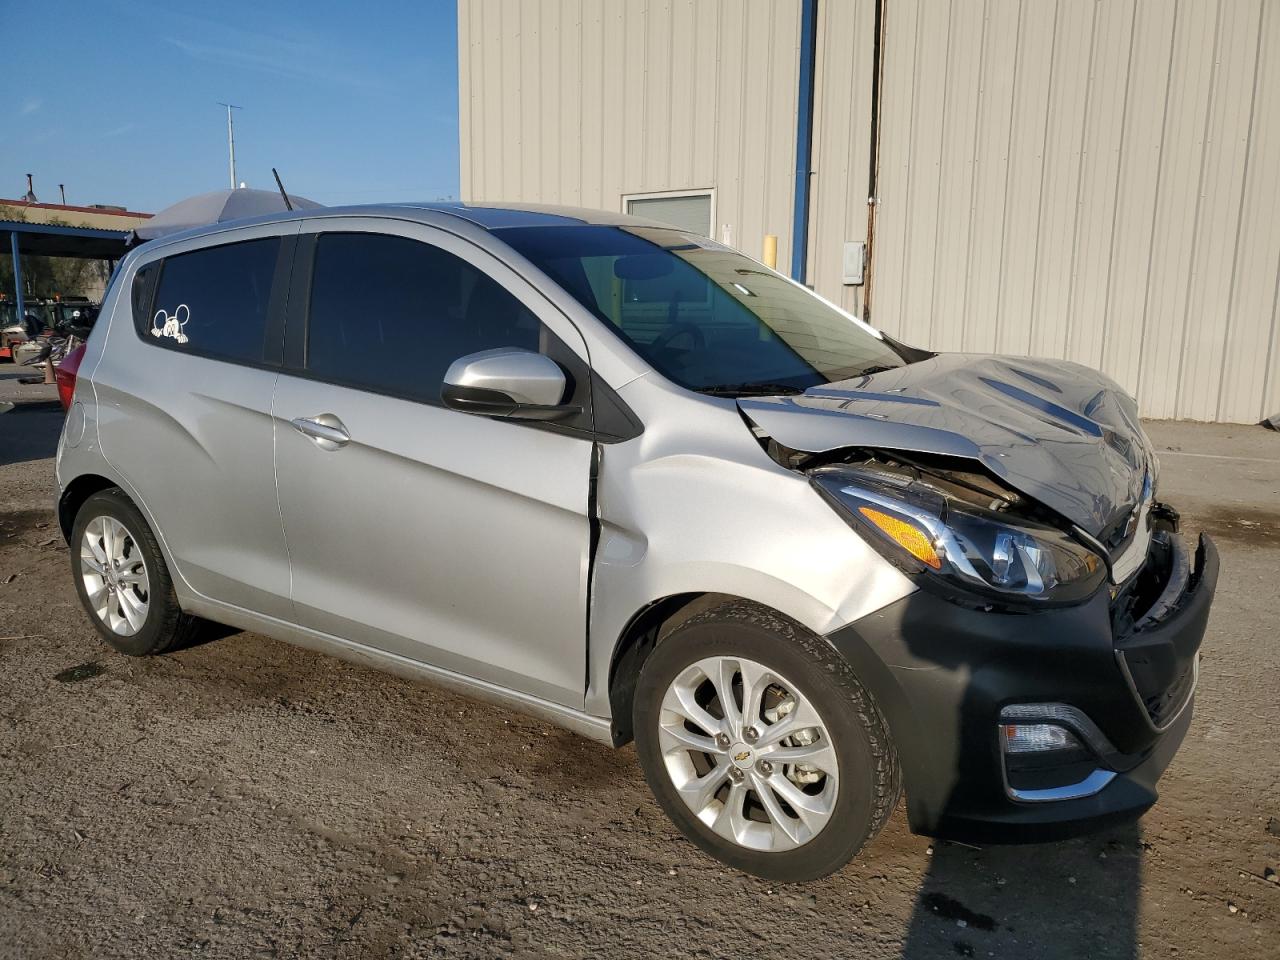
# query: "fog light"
1037, 738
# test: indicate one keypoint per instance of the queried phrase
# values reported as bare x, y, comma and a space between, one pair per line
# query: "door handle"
325, 429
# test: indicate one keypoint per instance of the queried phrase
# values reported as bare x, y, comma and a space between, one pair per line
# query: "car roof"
488, 216
498, 216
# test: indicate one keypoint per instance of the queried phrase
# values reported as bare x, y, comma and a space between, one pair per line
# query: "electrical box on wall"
854, 262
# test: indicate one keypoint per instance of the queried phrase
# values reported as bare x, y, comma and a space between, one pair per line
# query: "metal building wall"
582, 102
1098, 181
841, 143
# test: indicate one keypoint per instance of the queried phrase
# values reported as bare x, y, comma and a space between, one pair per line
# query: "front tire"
122, 579
762, 746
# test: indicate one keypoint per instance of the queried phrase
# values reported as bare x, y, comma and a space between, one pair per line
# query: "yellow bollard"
770, 257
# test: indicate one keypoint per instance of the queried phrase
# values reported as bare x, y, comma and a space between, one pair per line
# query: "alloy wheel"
748, 753
115, 575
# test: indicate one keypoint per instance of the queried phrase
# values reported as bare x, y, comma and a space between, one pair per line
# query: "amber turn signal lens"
904, 535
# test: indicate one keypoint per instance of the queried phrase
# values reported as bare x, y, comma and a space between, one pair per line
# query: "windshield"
702, 314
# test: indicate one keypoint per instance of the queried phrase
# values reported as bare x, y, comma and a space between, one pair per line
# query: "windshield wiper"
751, 390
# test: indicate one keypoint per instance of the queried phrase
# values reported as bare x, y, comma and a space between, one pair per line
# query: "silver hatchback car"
631, 481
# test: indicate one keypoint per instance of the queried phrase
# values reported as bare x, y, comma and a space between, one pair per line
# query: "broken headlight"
979, 550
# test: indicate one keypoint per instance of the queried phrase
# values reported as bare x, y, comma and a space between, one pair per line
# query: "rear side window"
391, 314
144, 288
214, 301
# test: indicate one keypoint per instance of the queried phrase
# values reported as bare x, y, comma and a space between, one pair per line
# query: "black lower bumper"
943, 674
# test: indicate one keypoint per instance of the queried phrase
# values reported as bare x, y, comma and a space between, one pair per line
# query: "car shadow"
1017, 898
206, 631
1070, 899
29, 431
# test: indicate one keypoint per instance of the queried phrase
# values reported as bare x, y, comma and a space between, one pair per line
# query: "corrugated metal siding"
1089, 180
841, 147
578, 102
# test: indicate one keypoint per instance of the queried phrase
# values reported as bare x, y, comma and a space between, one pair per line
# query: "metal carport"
55, 240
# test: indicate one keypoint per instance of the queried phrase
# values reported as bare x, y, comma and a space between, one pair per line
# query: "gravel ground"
246, 798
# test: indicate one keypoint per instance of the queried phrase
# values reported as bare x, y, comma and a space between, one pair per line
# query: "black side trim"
614, 420
495, 403
273, 334
593, 542
295, 333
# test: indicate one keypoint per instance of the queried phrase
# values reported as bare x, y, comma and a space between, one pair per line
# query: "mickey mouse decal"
164, 325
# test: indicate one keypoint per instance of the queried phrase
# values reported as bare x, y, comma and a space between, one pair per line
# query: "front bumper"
943, 674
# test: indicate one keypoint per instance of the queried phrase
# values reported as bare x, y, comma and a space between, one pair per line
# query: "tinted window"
215, 301
143, 285
702, 314
391, 314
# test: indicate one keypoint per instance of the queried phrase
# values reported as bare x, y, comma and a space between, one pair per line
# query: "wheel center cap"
742, 755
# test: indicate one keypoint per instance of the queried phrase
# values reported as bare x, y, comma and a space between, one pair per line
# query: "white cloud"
292, 59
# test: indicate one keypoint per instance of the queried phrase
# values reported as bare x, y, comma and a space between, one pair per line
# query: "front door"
456, 540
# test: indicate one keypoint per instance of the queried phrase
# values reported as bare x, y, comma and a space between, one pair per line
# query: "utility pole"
231, 141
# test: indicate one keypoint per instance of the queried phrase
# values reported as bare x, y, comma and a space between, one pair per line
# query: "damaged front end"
1042, 677
961, 533
1158, 618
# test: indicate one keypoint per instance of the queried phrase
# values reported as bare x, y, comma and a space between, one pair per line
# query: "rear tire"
122, 580
784, 806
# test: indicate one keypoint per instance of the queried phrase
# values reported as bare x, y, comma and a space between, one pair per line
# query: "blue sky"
118, 99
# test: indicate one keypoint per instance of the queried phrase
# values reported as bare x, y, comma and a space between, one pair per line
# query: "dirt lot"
245, 798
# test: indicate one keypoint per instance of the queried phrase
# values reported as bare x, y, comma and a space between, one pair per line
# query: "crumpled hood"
1058, 432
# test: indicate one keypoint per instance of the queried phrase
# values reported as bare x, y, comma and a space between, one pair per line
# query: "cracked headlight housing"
954, 543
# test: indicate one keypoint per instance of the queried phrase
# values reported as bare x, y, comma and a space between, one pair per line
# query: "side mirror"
507, 382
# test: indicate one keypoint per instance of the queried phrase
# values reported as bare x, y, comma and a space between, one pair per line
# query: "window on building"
689, 211
214, 301
391, 314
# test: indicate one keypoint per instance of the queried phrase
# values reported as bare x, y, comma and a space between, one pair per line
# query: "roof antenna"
283, 196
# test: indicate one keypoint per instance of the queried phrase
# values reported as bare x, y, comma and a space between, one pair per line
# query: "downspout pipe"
804, 141
873, 164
